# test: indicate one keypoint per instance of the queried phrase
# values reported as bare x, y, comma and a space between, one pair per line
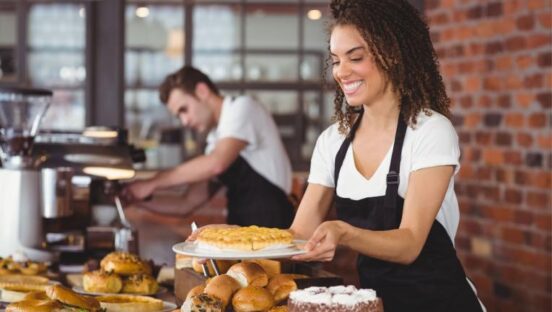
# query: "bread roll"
140, 284
36, 295
248, 274
101, 282
124, 264
195, 291
34, 305
223, 266
222, 287
68, 297
279, 309
252, 299
280, 286
271, 267
202, 303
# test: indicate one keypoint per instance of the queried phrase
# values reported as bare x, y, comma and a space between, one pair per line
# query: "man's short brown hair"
185, 79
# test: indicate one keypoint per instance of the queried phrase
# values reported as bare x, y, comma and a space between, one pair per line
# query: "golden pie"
250, 238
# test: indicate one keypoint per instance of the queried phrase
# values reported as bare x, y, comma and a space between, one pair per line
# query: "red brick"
514, 120
471, 154
466, 172
513, 157
544, 222
504, 62
541, 179
472, 120
537, 41
516, 43
525, 61
523, 217
537, 4
545, 59
538, 200
475, 49
533, 81
512, 6
525, 99
485, 174
472, 84
537, 120
545, 20
466, 101
545, 100
545, 141
483, 138
525, 139
513, 82
513, 234
525, 22
541, 241
505, 176
484, 101
493, 156
513, 196
498, 214
439, 19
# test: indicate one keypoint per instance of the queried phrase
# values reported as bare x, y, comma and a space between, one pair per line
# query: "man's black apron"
253, 200
435, 281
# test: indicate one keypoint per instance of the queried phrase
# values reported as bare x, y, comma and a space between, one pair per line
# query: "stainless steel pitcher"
56, 192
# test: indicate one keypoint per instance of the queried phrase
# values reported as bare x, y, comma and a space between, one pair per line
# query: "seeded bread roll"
101, 282
140, 284
195, 291
202, 303
252, 299
248, 274
280, 286
222, 287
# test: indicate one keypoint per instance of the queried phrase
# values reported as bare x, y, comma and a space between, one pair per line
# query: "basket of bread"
246, 286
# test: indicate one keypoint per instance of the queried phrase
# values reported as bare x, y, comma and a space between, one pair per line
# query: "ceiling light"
314, 15
142, 11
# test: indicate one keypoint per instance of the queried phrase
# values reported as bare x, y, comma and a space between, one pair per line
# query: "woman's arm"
312, 210
426, 191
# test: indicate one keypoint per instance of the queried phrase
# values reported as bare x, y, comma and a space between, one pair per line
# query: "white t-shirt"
244, 119
433, 142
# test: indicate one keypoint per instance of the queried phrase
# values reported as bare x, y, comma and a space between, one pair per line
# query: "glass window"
56, 60
8, 41
217, 41
154, 48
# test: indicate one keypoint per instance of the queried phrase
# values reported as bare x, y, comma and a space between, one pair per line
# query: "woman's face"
353, 67
192, 112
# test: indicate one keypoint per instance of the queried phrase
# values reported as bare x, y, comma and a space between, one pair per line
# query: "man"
244, 152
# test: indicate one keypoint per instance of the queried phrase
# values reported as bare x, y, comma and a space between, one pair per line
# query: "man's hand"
137, 191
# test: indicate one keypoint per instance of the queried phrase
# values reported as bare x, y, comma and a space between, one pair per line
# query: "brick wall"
496, 58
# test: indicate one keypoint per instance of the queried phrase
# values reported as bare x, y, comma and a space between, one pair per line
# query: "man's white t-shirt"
432, 142
244, 119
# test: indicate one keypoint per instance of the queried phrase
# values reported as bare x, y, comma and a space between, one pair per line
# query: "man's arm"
196, 195
201, 168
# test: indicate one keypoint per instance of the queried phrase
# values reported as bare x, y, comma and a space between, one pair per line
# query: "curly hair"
186, 79
399, 39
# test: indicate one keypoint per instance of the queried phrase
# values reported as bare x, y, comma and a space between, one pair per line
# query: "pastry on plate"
250, 238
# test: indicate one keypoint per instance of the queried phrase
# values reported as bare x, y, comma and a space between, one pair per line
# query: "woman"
388, 164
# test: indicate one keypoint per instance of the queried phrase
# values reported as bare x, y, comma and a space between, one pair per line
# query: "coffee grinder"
21, 111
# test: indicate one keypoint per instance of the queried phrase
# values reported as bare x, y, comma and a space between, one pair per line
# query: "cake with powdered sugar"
335, 299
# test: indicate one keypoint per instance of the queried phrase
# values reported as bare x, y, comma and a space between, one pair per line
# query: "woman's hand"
321, 246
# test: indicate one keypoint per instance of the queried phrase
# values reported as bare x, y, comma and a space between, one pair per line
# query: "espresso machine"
50, 180
21, 111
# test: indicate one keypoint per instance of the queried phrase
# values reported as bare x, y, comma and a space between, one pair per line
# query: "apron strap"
393, 178
344, 146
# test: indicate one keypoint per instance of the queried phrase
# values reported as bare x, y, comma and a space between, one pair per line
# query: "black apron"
435, 281
253, 200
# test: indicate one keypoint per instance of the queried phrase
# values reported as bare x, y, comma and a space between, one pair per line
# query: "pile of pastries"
10, 266
121, 272
245, 287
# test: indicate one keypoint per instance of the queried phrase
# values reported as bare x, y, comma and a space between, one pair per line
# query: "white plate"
191, 249
80, 290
